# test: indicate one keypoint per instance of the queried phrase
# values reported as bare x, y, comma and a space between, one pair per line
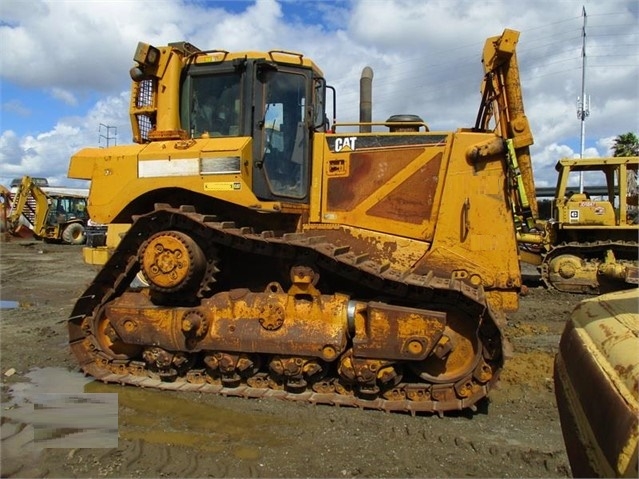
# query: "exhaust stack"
366, 99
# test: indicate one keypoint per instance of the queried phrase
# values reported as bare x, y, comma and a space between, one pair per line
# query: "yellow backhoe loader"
55, 215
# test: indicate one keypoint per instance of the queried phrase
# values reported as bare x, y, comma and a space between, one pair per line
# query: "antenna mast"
583, 102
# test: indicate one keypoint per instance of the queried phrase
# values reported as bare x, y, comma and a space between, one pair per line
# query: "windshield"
214, 105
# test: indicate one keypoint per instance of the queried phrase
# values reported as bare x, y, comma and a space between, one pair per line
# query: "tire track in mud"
522, 458
37, 263
137, 448
20, 454
191, 467
450, 454
166, 460
163, 459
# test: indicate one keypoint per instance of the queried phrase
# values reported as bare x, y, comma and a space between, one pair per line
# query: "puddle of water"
61, 409
52, 411
163, 417
48, 380
4, 304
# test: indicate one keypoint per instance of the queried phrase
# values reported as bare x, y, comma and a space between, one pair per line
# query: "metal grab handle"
465, 221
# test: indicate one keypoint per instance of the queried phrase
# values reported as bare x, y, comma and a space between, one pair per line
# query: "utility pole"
104, 132
583, 102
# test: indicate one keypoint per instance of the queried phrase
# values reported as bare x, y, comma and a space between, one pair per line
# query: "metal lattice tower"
583, 102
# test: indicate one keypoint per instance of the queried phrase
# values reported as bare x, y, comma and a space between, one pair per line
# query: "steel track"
430, 291
588, 251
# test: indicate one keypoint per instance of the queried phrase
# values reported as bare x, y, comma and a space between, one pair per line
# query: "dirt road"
516, 433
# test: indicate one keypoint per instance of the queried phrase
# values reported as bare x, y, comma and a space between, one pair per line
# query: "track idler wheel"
171, 261
109, 342
455, 356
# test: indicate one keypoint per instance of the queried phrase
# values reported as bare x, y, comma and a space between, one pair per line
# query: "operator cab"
66, 208
614, 206
276, 103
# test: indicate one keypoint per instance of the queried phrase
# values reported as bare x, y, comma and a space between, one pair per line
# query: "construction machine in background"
591, 243
52, 214
5, 206
25, 225
595, 376
288, 257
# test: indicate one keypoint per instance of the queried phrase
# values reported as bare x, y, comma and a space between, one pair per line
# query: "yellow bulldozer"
284, 255
591, 243
52, 214
595, 375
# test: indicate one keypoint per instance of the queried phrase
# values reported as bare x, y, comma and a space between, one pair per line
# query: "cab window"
214, 105
285, 135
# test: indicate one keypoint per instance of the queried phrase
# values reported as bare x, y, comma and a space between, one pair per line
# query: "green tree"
626, 144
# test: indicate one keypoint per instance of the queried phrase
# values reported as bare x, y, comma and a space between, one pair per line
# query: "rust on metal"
397, 332
368, 172
595, 378
296, 344
412, 201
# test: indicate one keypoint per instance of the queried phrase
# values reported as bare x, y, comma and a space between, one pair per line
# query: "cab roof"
281, 57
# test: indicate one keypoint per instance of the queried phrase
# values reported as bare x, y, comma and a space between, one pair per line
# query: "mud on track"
515, 433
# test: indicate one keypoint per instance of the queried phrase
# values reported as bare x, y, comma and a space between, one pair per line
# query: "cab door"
281, 134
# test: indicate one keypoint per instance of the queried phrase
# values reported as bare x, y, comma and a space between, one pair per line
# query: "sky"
64, 65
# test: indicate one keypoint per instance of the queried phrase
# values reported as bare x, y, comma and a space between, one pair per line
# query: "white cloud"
606, 144
9, 146
43, 155
64, 96
16, 107
47, 154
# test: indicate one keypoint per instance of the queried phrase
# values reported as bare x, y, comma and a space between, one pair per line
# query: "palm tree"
626, 144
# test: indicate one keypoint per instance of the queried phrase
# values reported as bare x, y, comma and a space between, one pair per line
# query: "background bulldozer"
590, 244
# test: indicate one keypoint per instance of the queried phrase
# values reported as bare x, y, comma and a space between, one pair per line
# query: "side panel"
581, 210
423, 187
218, 168
386, 183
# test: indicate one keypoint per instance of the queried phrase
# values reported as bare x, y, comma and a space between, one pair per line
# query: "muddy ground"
516, 433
